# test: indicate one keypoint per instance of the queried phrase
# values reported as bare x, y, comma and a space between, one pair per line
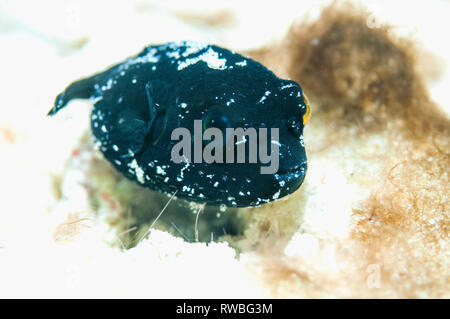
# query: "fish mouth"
296, 172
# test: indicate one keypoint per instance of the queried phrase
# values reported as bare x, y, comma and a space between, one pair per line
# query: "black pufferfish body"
139, 102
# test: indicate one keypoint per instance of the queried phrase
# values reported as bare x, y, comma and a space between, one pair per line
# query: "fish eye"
215, 119
308, 109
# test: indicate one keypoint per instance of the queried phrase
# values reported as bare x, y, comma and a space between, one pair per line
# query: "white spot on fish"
173, 54
210, 57
108, 85
150, 57
267, 93
276, 195
275, 142
287, 86
160, 170
241, 141
138, 171
192, 47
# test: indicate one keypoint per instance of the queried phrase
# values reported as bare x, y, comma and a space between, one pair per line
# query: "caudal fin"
82, 89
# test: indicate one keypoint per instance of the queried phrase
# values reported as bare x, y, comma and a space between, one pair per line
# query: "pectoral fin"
157, 95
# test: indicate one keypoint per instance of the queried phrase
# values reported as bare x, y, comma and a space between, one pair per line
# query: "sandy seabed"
371, 219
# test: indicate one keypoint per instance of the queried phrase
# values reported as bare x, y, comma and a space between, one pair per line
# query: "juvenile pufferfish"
139, 102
